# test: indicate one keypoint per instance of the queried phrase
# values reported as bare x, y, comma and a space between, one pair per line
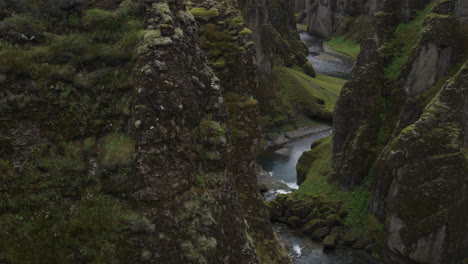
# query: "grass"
297, 96
329, 83
116, 150
343, 45
53, 209
404, 39
317, 184
302, 27
331, 86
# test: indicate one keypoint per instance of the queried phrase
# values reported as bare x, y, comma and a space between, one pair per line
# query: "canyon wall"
129, 134
404, 128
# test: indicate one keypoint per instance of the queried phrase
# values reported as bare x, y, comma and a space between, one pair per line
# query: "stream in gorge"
279, 164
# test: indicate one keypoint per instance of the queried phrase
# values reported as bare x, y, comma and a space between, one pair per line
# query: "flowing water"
280, 162
326, 63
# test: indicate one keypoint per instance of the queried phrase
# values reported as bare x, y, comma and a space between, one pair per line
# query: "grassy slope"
329, 83
53, 207
300, 85
345, 46
404, 39
357, 201
297, 97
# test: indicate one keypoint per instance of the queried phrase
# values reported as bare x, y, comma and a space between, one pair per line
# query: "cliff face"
137, 150
406, 131
328, 17
184, 178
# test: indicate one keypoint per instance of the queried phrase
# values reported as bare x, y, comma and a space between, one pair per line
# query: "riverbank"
286, 137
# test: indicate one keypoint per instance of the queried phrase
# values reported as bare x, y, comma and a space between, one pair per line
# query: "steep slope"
277, 46
398, 160
117, 142
411, 138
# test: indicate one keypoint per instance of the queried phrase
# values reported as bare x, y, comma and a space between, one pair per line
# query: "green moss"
297, 96
223, 51
75, 84
245, 31
22, 28
343, 45
237, 22
308, 69
204, 14
404, 39
116, 149
317, 184
52, 235
302, 27
36, 213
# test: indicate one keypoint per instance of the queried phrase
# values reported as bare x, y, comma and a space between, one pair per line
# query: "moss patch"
204, 14
343, 45
317, 184
404, 39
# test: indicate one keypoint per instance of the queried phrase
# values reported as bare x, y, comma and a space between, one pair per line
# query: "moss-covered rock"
329, 242
204, 14
312, 226
320, 233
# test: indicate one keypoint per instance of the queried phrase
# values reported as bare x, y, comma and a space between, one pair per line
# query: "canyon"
132, 131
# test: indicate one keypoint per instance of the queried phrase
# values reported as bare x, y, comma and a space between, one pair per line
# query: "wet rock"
142, 225
348, 239
332, 220
361, 243
294, 221
312, 215
342, 212
263, 188
146, 255
320, 233
275, 210
303, 208
312, 225
329, 242
3, 78
282, 139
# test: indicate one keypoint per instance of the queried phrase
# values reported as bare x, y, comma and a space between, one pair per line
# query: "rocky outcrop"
317, 219
420, 182
179, 104
239, 81
137, 141
275, 36
408, 134
356, 128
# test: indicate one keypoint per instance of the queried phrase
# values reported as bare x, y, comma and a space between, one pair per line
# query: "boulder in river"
312, 225
320, 233
329, 241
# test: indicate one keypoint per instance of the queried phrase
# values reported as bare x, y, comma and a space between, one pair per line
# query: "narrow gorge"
235, 131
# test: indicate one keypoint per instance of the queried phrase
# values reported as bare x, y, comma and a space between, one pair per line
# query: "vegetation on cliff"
396, 160
68, 76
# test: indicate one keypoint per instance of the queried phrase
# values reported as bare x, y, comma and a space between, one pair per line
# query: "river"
326, 61
280, 165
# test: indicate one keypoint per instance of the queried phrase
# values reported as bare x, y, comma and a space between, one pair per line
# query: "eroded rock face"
418, 121
355, 128
320, 17
328, 17
187, 165
420, 183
